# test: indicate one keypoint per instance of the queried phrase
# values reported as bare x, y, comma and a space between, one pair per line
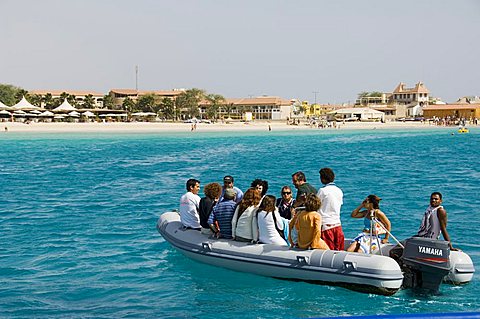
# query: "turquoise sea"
78, 215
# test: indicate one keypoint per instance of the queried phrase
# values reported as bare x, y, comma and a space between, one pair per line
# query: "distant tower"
136, 77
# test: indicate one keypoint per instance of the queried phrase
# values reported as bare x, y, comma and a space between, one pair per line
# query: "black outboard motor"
425, 263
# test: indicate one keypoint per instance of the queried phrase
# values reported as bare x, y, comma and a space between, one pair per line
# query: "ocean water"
78, 215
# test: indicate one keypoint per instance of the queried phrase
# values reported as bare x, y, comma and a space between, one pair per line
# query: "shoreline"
156, 127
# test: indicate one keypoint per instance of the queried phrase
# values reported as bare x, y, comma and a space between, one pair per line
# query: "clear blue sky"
291, 49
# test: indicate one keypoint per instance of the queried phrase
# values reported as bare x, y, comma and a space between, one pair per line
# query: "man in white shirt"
332, 200
189, 204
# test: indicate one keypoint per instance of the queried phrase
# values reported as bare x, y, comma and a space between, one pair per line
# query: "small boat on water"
462, 129
378, 274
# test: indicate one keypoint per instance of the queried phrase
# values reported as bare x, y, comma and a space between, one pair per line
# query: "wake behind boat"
377, 274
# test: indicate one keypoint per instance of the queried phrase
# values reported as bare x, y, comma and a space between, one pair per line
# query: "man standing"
220, 219
303, 188
332, 200
228, 183
189, 204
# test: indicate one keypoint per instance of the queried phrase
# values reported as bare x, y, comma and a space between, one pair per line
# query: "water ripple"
79, 212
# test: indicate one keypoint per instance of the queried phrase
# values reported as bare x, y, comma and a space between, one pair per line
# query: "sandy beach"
146, 127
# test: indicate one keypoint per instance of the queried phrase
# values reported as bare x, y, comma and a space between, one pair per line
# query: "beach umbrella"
64, 107
5, 112
19, 112
144, 114
114, 115
88, 114
35, 112
46, 114
24, 105
59, 116
74, 114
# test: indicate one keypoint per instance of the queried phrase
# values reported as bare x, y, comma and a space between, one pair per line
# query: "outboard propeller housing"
425, 263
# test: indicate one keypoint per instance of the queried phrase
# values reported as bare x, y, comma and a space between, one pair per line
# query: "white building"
364, 114
260, 108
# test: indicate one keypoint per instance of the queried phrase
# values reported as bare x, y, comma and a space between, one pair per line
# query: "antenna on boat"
372, 216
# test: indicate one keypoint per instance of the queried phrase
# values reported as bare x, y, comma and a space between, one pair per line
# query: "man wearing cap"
228, 184
189, 204
220, 219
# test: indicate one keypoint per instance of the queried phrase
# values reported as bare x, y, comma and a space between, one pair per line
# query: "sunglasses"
286, 193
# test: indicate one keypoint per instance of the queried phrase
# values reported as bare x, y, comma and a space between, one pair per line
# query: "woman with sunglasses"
285, 203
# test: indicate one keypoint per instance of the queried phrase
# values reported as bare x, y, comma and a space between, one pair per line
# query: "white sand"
201, 127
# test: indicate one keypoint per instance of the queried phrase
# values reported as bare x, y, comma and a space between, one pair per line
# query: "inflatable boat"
377, 274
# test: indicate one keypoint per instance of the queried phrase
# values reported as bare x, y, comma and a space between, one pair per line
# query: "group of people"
311, 220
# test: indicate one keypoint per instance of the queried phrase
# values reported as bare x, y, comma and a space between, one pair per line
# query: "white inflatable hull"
370, 273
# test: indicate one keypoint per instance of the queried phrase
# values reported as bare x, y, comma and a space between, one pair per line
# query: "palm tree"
48, 101
88, 102
8, 94
228, 108
20, 94
147, 103
70, 98
129, 105
189, 100
215, 101
35, 99
167, 107
108, 101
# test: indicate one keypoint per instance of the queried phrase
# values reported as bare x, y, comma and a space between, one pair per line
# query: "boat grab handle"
207, 246
464, 270
304, 260
349, 265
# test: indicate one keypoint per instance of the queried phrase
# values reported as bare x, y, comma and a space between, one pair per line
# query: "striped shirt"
223, 214
430, 227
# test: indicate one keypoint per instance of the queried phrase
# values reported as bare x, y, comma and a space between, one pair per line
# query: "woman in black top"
212, 192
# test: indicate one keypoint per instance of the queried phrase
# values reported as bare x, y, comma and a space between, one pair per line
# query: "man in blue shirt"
220, 219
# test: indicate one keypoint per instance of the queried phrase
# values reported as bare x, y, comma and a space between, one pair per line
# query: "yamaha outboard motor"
425, 263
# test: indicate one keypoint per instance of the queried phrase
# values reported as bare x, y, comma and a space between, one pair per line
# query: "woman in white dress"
245, 212
269, 222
